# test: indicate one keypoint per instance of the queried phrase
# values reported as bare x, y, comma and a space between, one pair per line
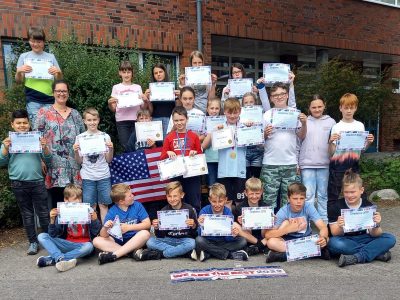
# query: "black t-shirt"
237, 211
162, 109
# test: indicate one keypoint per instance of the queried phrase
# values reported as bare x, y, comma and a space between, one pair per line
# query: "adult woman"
60, 125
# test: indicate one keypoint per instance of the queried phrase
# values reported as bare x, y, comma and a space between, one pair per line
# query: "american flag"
139, 170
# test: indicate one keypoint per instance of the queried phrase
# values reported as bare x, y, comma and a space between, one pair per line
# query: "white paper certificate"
170, 168
130, 99
251, 114
162, 91
198, 75
302, 248
149, 130
40, 68
196, 122
92, 144
115, 230
172, 219
352, 140
73, 213
257, 217
286, 119
212, 123
358, 219
196, 165
276, 72
25, 142
239, 87
222, 138
217, 225
248, 136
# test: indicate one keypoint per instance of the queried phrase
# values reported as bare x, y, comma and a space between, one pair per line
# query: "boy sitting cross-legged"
135, 223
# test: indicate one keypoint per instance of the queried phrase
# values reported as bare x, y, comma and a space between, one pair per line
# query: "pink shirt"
128, 113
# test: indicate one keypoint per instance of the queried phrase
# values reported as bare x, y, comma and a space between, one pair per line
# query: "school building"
302, 33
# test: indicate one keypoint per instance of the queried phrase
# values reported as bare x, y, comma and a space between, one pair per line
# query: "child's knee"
43, 236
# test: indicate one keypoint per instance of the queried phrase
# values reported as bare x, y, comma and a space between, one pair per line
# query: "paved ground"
127, 279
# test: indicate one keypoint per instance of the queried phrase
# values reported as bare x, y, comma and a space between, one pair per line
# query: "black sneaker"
147, 254
325, 254
384, 257
252, 250
106, 257
241, 254
44, 261
347, 260
261, 247
274, 256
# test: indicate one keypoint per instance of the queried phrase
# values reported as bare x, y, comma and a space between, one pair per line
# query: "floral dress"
60, 134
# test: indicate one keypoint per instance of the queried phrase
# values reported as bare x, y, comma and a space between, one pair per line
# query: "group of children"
310, 149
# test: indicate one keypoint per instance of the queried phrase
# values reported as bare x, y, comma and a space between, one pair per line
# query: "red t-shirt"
78, 233
172, 143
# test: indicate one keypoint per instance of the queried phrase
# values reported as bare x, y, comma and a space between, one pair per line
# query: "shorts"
234, 188
291, 237
97, 191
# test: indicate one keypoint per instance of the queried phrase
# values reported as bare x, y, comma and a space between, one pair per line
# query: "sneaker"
106, 257
193, 255
204, 256
274, 256
65, 265
252, 250
44, 261
261, 247
325, 254
241, 255
384, 257
347, 260
147, 254
33, 248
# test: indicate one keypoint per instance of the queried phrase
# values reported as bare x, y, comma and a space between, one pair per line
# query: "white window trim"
396, 5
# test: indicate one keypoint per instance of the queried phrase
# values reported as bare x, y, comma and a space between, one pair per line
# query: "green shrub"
9, 211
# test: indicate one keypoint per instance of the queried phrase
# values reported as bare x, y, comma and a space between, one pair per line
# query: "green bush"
9, 212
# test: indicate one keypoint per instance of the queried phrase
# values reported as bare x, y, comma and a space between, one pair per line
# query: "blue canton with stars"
129, 167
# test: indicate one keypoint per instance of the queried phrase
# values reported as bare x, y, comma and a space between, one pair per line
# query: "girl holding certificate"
185, 143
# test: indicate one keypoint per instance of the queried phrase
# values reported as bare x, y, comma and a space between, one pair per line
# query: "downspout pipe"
199, 29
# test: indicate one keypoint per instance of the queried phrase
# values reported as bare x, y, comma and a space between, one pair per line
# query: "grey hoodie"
314, 148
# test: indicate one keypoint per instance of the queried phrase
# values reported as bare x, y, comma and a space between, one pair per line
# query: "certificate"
248, 136
251, 114
239, 87
92, 144
115, 230
149, 130
170, 168
217, 225
162, 91
40, 68
358, 219
73, 213
212, 123
286, 119
130, 99
172, 219
257, 217
302, 248
195, 165
352, 140
196, 122
25, 142
198, 75
222, 138
276, 72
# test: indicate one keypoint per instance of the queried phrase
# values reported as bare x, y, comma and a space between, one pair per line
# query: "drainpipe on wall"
199, 30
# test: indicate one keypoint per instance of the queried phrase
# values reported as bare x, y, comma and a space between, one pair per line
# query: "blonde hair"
173, 186
253, 184
350, 178
349, 100
72, 190
118, 192
143, 113
218, 190
250, 94
232, 105
196, 53
91, 111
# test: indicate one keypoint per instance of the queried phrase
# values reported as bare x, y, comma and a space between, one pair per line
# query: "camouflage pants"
276, 179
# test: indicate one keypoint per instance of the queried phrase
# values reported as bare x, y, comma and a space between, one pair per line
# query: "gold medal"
233, 155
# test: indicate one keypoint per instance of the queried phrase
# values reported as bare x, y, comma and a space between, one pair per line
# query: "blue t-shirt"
309, 213
207, 210
135, 214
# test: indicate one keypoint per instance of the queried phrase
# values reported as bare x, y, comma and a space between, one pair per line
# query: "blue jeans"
96, 191
212, 175
316, 180
62, 249
365, 247
171, 247
32, 108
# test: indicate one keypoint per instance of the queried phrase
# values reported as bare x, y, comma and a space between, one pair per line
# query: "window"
395, 3
396, 85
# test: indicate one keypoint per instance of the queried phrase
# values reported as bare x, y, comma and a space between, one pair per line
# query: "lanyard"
183, 149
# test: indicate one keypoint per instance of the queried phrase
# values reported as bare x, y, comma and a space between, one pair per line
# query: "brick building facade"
360, 27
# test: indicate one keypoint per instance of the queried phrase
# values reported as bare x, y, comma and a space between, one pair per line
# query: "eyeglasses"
278, 95
61, 91
236, 72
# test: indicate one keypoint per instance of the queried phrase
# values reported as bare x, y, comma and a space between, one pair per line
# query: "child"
221, 247
135, 225
95, 172
185, 143
314, 156
126, 117
143, 115
67, 242
172, 243
280, 154
255, 238
27, 182
38, 92
342, 160
292, 222
362, 246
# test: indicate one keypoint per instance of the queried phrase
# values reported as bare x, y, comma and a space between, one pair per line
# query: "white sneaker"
193, 255
202, 256
65, 265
